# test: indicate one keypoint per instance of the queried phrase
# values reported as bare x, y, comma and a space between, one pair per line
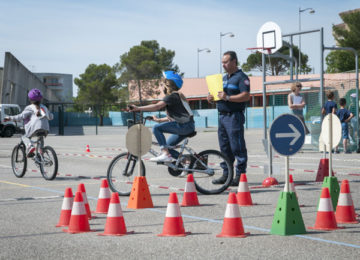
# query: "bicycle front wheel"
48, 163
19, 160
208, 166
121, 172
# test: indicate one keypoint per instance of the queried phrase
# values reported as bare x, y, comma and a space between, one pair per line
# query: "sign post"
287, 136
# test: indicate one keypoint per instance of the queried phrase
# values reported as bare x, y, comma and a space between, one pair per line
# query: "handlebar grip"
148, 118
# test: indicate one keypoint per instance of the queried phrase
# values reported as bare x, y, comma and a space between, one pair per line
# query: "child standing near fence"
330, 106
345, 117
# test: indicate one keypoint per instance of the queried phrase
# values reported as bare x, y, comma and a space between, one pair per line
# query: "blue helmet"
171, 75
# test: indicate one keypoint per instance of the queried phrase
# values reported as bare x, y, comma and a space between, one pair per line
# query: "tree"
275, 66
346, 35
97, 86
144, 63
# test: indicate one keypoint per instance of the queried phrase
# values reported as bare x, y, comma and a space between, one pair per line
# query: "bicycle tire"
119, 180
19, 160
49, 166
210, 160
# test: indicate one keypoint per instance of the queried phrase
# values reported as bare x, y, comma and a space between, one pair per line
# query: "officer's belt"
229, 113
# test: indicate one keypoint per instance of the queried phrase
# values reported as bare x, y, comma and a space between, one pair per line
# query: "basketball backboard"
269, 38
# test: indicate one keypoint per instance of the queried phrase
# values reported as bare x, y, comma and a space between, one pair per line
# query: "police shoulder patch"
246, 82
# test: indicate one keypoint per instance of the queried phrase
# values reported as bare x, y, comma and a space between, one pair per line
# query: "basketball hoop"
260, 48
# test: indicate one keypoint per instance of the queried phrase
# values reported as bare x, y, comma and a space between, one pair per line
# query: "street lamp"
221, 35
198, 51
311, 11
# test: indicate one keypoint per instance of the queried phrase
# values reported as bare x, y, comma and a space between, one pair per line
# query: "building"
60, 84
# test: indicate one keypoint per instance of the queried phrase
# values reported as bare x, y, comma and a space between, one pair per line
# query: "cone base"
118, 235
241, 236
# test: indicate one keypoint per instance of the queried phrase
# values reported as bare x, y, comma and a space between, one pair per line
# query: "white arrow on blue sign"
287, 134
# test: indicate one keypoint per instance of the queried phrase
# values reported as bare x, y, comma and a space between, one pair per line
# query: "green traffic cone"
333, 185
287, 219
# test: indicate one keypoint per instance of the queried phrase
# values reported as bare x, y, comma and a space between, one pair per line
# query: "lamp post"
222, 35
311, 11
198, 51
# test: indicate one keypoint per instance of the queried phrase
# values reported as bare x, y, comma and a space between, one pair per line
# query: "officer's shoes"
221, 180
235, 182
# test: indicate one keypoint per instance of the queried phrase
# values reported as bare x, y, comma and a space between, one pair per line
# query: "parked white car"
7, 129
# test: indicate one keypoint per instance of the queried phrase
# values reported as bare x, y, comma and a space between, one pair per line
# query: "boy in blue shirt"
345, 117
330, 106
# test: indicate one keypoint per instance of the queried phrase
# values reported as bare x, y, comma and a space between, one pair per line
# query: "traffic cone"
87, 148
292, 188
140, 196
325, 218
173, 225
115, 224
323, 170
232, 225
104, 198
190, 197
78, 221
345, 211
81, 188
243, 195
66, 208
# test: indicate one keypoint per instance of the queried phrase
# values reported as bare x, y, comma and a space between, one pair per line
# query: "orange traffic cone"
325, 218
87, 148
81, 188
190, 197
66, 208
78, 221
345, 211
104, 198
115, 224
173, 225
292, 188
232, 225
243, 195
140, 196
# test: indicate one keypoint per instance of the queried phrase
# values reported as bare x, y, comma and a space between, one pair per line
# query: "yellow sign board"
215, 84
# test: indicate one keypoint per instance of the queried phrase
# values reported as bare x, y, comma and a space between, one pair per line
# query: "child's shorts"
345, 130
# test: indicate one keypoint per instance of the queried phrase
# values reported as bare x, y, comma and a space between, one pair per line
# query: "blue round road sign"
287, 134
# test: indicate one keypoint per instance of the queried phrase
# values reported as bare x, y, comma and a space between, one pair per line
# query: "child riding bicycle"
36, 118
179, 120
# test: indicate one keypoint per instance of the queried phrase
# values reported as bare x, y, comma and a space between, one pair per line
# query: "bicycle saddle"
191, 134
39, 133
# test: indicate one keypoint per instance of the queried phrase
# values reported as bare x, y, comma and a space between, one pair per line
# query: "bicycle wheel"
121, 172
48, 163
208, 166
19, 160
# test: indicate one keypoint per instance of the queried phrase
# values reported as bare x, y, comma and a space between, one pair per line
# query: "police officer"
231, 107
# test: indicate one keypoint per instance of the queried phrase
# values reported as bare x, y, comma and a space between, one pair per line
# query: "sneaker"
221, 180
162, 158
30, 151
235, 182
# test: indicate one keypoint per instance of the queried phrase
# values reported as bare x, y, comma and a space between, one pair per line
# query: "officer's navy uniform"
231, 122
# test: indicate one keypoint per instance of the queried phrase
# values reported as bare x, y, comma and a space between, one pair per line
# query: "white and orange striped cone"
81, 188
325, 218
232, 225
66, 208
103, 202
115, 223
190, 197
87, 148
243, 195
173, 224
345, 211
79, 222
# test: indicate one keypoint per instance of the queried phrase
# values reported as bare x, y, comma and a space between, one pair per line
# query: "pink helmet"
35, 94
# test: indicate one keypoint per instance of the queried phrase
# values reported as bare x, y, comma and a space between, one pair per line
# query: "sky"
65, 36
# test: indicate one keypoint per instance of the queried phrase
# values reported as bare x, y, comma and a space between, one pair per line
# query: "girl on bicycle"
179, 120
36, 117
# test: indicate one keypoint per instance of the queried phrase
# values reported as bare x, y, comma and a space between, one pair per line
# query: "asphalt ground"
30, 206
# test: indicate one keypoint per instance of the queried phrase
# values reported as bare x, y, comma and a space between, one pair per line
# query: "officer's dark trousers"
231, 140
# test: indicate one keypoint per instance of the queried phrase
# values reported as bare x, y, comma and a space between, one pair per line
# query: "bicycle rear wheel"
19, 160
121, 172
48, 163
208, 166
